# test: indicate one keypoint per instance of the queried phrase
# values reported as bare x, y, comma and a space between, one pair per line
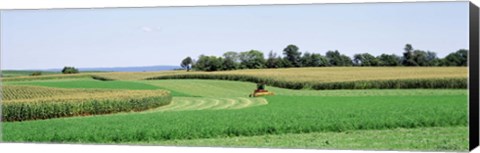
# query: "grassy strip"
426, 139
227, 89
433, 83
17, 107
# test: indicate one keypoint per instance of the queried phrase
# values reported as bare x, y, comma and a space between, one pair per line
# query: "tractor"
261, 91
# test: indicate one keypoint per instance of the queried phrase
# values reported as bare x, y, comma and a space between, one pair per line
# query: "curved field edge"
34, 103
89, 83
224, 88
426, 139
431, 83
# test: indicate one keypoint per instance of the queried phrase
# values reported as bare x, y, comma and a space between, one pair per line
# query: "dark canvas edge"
473, 76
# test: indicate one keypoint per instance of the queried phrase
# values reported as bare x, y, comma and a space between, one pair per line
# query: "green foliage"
458, 58
365, 59
313, 60
337, 59
36, 73
292, 56
423, 58
275, 61
69, 70
252, 59
186, 63
408, 56
96, 77
389, 60
419, 57
230, 61
208, 63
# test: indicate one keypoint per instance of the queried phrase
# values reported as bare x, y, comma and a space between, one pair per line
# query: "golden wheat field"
324, 74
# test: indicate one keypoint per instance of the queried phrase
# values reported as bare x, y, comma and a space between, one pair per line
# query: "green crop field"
220, 113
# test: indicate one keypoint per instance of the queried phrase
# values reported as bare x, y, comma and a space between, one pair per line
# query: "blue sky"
42, 39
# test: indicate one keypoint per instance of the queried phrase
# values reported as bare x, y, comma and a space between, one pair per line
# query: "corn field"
31, 103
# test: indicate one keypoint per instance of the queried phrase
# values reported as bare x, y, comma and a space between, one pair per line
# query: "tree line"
292, 57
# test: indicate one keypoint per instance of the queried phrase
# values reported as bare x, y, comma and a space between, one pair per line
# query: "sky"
118, 37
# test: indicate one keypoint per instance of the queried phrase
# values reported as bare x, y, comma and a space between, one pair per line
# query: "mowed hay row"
31, 103
430, 83
209, 103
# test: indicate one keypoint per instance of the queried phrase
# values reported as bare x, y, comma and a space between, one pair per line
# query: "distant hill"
116, 69
131, 69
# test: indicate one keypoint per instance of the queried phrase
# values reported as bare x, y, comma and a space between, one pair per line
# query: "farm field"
20, 103
220, 113
289, 76
324, 74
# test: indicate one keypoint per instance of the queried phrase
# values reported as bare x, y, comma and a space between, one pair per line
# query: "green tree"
459, 58
36, 73
408, 56
230, 61
313, 60
208, 63
389, 60
420, 57
306, 60
273, 61
292, 55
365, 59
187, 63
252, 59
432, 59
69, 70
337, 59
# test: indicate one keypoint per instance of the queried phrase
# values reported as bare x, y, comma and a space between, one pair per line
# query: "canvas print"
369, 76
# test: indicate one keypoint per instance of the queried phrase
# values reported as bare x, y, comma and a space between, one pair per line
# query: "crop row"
22, 92
47, 77
451, 83
31, 103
